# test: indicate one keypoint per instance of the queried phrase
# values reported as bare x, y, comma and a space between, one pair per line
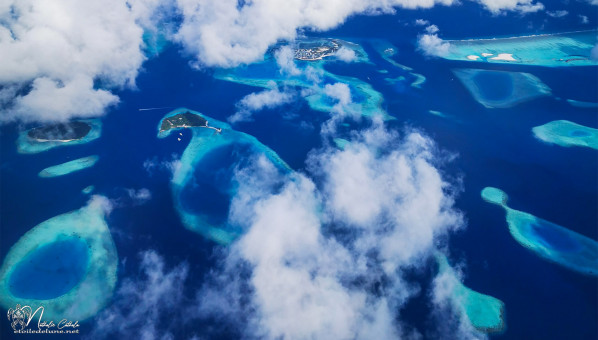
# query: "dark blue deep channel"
51, 270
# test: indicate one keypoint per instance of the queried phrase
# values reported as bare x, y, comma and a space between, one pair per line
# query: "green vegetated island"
61, 132
185, 120
49, 136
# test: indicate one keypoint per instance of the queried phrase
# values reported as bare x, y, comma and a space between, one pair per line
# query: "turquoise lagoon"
484, 312
548, 240
28, 145
566, 133
366, 101
501, 89
69, 167
204, 176
66, 264
564, 49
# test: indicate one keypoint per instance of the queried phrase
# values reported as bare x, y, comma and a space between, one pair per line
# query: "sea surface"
493, 147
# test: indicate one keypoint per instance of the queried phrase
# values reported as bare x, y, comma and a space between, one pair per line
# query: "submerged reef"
66, 264
548, 240
566, 133
205, 166
582, 104
88, 189
68, 167
484, 312
47, 137
564, 49
365, 100
501, 89
388, 51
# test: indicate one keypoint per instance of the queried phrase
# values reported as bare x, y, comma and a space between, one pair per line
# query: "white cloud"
450, 315
340, 92
584, 19
432, 29
145, 307
421, 22
100, 202
140, 196
557, 14
521, 6
59, 48
258, 101
172, 165
221, 33
433, 46
286, 61
289, 277
51, 100
345, 54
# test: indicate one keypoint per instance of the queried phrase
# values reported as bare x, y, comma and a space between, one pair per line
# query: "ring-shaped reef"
66, 264
366, 101
566, 133
484, 312
546, 239
553, 50
69, 167
51, 136
501, 89
203, 185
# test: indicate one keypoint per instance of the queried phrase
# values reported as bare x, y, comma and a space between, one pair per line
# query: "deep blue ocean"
494, 147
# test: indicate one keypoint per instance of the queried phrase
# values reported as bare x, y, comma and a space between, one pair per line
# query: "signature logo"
20, 317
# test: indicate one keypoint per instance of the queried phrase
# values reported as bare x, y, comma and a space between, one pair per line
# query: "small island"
49, 136
60, 132
185, 120
316, 51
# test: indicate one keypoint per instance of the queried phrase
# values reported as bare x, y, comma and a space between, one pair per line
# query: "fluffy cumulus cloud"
290, 277
433, 46
253, 102
521, 6
224, 33
558, 14
54, 52
345, 54
144, 305
583, 19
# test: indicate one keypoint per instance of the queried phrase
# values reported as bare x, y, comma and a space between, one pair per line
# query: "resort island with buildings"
316, 50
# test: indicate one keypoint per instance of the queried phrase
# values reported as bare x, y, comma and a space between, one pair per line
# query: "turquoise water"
69, 167
565, 49
202, 186
51, 270
67, 264
567, 134
501, 89
485, 313
211, 188
546, 239
27, 145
